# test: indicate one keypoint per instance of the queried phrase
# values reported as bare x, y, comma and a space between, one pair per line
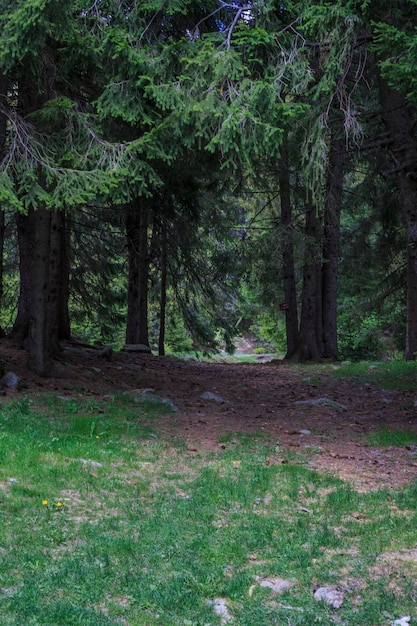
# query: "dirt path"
260, 398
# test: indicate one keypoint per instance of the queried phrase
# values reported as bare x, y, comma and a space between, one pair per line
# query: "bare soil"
259, 399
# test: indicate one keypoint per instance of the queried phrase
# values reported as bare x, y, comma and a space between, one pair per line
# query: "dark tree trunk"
310, 322
163, 298
331, 241
64, 330
57, 314
290, 289
138, 258
400, 125
38, 361
25, 230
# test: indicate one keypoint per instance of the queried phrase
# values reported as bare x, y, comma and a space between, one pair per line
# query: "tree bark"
290, 290
57, 313
310, 321
138, 258
38, 361
25, 232
400, 125
331, 241
163, 297
64, 322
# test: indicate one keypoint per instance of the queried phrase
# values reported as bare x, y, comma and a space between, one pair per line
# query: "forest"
177, 174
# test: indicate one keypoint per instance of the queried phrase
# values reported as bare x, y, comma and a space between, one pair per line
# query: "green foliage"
398, 49
179, 102
359, 334
27, 25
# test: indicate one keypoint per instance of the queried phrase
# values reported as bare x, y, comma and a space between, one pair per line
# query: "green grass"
105, 522
386, 437
400, 375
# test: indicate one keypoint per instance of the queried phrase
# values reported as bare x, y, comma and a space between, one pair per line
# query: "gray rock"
88, 462
213, 397
323, 402
330, 595
11, 381
220, 608
402, 621
140, 395
167, 401
277, 584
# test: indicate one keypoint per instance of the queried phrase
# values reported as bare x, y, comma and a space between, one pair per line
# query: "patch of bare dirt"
258, 398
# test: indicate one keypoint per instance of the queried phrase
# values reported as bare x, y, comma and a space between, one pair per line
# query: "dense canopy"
177, 174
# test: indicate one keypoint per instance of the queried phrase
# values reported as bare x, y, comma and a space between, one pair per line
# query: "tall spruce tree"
53, 158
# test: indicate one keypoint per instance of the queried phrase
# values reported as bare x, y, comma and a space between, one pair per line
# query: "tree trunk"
25, 230
138, 258
308, 343
404, 154
38, 361
290, 290
331, 240
58, 284
163, 298
64, 324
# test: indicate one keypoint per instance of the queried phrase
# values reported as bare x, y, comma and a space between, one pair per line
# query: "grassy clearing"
104, 522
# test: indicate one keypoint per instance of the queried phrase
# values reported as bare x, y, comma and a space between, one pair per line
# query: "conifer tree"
53, 159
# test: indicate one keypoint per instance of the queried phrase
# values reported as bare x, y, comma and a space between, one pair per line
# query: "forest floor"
294, 407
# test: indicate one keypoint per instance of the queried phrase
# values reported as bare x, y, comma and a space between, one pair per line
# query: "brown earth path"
258, 399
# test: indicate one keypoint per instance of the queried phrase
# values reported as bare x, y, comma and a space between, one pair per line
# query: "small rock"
88, 462
11, 381
160, 400
323, 402
220, 608
139, 395
305, 431
330, 595
277, 584
209, 395
402, 621
134, 393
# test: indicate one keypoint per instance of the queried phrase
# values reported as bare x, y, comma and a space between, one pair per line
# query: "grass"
400, 375
386, 437
104, 522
